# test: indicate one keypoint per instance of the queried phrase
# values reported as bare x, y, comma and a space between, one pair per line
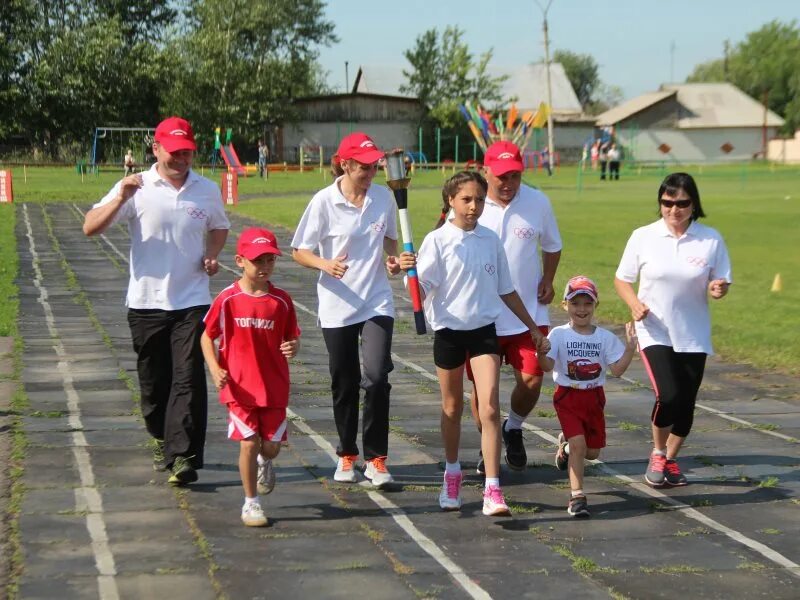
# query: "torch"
396, 179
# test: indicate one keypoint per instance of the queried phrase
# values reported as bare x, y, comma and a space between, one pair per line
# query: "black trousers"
172, 378
347, 379
603, 167
676, 379
613, 169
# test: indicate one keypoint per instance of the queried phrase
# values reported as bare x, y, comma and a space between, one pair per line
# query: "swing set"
111, 143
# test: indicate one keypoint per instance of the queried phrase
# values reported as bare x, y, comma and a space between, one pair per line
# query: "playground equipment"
232, 159
111, 143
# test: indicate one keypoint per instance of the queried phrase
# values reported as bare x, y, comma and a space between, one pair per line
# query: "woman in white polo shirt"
678, 263
345, 231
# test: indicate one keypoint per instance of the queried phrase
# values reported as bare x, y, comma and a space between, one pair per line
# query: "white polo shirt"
581, 359
525, 224
463, 274
333, 227
167, 229
673, 276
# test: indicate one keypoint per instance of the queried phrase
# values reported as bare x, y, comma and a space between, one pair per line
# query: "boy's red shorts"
519, 351
244, 422
580, 412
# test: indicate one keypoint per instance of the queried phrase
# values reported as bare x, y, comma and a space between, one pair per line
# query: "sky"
631, 40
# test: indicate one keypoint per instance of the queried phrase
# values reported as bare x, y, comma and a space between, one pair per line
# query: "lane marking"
767, 552
87, 496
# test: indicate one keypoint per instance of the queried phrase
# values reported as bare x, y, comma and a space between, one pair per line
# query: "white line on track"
87, 497
457, 573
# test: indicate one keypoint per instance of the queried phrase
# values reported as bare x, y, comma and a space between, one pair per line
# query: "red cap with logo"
580, 285
255, 241
360, 147
502, 157
175, 134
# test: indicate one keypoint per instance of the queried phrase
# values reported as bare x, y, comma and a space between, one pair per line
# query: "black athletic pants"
676, 379
347, 379
172, 378
613, 169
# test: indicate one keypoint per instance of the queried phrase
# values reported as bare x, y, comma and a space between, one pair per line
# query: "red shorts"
244, 422
580, 412
519, 351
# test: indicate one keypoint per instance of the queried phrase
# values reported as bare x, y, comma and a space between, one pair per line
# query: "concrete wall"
785, 150
692, 145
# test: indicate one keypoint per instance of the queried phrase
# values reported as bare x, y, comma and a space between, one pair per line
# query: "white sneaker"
377, 472
253, 515
266, 477
493, 502
450, 496
345, 469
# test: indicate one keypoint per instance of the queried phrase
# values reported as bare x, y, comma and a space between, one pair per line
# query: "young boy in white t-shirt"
580, 353
257, 326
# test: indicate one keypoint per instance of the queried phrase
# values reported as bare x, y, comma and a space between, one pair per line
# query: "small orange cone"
777, 284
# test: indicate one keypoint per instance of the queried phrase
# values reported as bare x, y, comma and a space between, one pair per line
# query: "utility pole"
346, 78
550, 144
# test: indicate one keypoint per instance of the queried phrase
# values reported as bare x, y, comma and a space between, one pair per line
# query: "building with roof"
692, 122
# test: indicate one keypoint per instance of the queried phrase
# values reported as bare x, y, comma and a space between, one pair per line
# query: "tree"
766, 65
444, 75
242, 62
582, 72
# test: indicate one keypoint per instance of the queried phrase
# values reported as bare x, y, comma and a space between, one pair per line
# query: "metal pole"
346, 78
550, 145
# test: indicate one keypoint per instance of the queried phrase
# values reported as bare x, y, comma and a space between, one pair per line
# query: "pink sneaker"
450, 496
493, 502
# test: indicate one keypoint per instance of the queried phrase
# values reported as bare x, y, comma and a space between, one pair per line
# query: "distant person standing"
594, 154
178, 227
603, 160
263, 158
130, 163
614, 156
546, 161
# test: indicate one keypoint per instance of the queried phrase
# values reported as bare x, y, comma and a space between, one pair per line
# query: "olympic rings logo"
490, 269
697, 261
196, 213
378, 226
524, 233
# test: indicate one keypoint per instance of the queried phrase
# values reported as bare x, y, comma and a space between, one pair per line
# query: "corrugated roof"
719, 105
703, 105
528, 84
631, 107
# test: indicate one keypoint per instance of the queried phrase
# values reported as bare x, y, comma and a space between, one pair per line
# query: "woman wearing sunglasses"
678, 263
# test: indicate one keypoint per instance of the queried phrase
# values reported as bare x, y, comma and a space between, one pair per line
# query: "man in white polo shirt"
524, 220
177, 226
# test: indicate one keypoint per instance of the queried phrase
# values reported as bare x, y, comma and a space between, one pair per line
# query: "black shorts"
451, 347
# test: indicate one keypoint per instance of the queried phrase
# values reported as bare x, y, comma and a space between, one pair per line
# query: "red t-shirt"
252, 329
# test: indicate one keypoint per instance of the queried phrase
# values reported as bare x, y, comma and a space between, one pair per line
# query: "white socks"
452, 467
514, 421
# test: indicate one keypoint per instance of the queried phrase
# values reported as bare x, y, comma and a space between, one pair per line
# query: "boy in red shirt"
257, 328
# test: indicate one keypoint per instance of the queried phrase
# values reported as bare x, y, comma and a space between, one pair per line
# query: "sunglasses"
678, 203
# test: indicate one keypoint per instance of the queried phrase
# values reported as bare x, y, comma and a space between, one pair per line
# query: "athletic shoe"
578, 507
480, 469
562, 458
377, 472
493, 502
253, 515
182, 471
673, 475
266, 477
345, 469
516, 458
159, 460
655, 470
450, 496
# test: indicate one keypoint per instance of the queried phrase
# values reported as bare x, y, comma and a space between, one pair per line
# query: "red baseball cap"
359, 146
175, 134
502, 157
255, 241
580, 285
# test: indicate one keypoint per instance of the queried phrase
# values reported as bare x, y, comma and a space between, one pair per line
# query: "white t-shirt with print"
525, 224
167, 230
580, 359
332, 226
673, 275
463, 274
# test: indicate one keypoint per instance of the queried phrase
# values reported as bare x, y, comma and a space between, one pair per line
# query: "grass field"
755, 207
